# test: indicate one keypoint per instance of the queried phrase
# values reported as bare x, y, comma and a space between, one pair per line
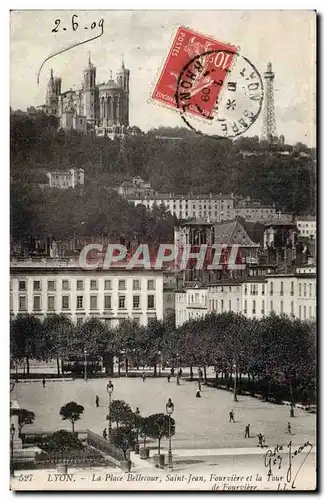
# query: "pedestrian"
261, 440
292, 411
105, 434
198, 395
143, 376
289, 431
247, 431
178, 379
172, 372
97, 401
199, 385
231, 416
43, 383
180, 372
200, 373
169, 378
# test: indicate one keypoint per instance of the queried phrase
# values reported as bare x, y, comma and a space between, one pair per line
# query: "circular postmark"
219, 98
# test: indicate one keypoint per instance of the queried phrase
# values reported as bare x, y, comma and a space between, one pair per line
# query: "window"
65, 285
222, 305
22, 285
304, 312
292, 307
122, 285
292, 288
36, 285
80, 304
136, 320
93, 285
282, 288
107, 285
108, 322
79, 321
300, 289
310, 289
305, 289
51, 286
272, 309
282, 307
150, 302
299, 312
136, 285
230, 306
22, 303
65, 302
37, 303
122, 302
245, 307
263, 307
150, 285
107, 302
263, 289
253, 307
238, 305
310, 308
136, 302
51, 303
80, 285
93, 302
271, 288
245, 290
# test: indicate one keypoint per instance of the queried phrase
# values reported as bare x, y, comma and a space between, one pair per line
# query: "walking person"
43, 383
261, 440
199, 385
97, 401
247, 431
198, 395
143, 376
172, 372
180, 372
105, 434
289, 429
231, 416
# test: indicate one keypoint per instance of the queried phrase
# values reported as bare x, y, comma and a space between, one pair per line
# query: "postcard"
163, 251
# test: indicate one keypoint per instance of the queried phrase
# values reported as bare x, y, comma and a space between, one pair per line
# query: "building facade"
64, 180
63, 287
100, 107
290, 294
307, 226
136, 187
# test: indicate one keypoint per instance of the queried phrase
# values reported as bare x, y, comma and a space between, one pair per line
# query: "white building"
64, 180
256, 297
137, 187
62, 286
204, 206
307, 226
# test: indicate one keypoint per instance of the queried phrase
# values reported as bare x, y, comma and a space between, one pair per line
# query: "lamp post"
12, 434
235, 383
169, 410
160, 363
110, 389
137, 413
85, 365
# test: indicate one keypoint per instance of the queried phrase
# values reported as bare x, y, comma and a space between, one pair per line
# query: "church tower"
52, 93
123, 77
90, 92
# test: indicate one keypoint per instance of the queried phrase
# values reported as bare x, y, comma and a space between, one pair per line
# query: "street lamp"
169, 410
137, 413
235, 383
85, 365
12, 434
160, 363
110, 389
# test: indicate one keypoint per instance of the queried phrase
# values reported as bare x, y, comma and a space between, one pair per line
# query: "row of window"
80, 285
307, 289
213, 306
94, 302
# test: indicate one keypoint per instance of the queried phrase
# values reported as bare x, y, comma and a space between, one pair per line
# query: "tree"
57, 338
25, 335
25, 417
158, 428
71, 411
61, 441
124, 439
144, 428
120, 413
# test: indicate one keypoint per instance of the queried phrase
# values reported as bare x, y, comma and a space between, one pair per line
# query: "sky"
286, 38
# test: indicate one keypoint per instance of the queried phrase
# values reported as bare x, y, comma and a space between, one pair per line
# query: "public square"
201, 423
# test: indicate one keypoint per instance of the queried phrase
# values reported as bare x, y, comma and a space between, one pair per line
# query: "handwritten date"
75, 25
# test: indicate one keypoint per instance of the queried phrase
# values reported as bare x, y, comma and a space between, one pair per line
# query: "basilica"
102, 108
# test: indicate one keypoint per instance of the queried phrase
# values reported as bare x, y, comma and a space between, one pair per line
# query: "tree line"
275, 350
182, 162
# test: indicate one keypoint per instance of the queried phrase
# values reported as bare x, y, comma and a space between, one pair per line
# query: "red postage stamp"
194, 73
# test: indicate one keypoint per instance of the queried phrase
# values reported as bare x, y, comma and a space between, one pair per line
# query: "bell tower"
123, 77
89, 91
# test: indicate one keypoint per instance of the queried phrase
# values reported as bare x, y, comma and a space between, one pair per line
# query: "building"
307, 226
136, 187
48, 286
64, 180
210, 207
254, 297
99, 107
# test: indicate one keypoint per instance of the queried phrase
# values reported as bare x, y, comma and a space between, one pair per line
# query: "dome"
111, 85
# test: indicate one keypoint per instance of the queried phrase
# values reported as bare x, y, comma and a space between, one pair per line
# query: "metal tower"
269, 125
